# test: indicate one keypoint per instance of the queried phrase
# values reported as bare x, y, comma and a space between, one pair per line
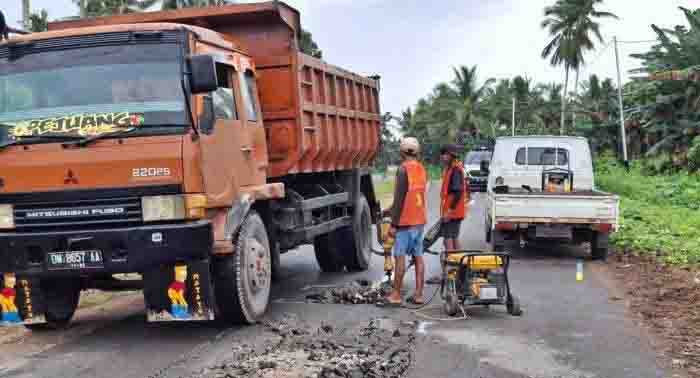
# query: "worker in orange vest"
453, 197
408, 218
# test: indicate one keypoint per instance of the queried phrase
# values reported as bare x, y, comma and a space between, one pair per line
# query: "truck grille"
94, 212
83, 208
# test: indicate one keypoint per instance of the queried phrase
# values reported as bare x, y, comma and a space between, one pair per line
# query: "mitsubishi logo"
70, 178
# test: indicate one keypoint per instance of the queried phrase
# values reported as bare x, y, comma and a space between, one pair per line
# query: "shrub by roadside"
659, 214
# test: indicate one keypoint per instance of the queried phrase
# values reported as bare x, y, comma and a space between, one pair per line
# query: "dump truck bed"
318, 117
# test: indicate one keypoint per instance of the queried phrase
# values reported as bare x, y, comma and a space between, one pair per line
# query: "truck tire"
497, 241
61, 297
242, 280
355, 242
328, 254
599, 246
488, 230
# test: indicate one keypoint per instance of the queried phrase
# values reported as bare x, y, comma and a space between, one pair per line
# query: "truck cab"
478, 180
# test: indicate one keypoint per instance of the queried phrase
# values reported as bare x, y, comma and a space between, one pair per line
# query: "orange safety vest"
460, 211
414, 210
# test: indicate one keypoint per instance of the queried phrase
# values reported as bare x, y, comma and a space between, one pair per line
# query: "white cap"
410, 145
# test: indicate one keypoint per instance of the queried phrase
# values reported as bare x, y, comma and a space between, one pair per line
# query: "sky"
413, 44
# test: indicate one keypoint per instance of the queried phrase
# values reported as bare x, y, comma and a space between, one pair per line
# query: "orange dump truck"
192, 147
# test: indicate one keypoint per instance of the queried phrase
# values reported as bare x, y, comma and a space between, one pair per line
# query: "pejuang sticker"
80, 124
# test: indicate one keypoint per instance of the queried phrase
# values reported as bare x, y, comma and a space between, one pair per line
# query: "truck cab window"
223, 98
542, 156
249, 98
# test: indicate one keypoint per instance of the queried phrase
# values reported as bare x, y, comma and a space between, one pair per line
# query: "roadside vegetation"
659, 213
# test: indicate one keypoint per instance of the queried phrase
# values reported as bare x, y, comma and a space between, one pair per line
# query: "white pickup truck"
521, 205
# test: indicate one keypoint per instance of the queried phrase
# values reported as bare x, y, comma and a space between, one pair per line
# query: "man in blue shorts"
408, 218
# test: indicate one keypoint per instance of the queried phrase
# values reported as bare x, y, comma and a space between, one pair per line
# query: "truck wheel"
328, 254
497, 241
275, 262
599, 252
61, 298
488, 231
355, 242
242, 280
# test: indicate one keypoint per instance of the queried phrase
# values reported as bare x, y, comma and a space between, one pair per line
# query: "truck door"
221, 146
253, 141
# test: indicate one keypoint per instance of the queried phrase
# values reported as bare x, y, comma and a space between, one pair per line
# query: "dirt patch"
667, 300
379, 348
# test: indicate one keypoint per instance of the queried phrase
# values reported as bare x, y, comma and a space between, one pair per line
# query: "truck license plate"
75, 260
553, 232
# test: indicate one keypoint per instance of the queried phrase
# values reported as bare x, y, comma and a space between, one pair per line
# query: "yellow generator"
477, 278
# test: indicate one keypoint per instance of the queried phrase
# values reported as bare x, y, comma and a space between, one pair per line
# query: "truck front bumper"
124, 250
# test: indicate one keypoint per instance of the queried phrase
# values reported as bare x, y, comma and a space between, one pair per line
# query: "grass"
659, 214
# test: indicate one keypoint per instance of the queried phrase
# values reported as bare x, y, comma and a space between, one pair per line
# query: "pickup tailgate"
573, 208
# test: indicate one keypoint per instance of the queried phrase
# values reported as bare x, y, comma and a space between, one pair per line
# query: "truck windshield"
92, 91
475, 157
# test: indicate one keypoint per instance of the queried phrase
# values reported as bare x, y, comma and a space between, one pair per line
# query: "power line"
646, 41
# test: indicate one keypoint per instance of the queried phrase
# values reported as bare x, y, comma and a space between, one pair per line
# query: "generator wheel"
62, 297
513, 306
450, 305
242, 280
355, 241
328, 254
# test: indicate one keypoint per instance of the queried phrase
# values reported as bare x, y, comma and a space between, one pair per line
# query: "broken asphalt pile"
667, 299
381, 348
359, 292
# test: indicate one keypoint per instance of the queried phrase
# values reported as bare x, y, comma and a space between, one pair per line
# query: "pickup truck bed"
586, 207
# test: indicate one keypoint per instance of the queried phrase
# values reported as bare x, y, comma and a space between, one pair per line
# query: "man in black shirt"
4, 31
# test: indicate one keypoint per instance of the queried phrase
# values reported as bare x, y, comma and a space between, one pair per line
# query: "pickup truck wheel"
599, 247
488, 230
61, 299
355, 242
327, 253
242, 280
497, 241
599, 253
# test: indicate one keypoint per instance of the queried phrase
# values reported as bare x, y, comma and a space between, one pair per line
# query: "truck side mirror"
203, 74
207, 118
484, 166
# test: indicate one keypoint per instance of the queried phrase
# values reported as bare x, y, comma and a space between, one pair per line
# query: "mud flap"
181, 292
21, 301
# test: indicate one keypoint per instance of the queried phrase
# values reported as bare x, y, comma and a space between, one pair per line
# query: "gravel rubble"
380, 348
359, 292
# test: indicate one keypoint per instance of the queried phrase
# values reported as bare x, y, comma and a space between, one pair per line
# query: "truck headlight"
174, 207
7, 217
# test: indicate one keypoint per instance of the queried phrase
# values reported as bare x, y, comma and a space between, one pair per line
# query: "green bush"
694, 155
659, 214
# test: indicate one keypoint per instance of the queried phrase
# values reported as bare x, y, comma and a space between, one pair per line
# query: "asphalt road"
568, 329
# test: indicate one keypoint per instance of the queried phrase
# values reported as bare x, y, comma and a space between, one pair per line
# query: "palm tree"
570, 24
39, 22
97, 8
177, 4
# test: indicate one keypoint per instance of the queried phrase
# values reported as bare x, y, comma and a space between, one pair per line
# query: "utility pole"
622, 110
26, 10
512, 125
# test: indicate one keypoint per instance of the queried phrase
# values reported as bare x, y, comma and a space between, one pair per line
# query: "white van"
522, 205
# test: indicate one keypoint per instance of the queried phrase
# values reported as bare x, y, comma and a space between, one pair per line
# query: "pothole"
380, 348
358, 292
